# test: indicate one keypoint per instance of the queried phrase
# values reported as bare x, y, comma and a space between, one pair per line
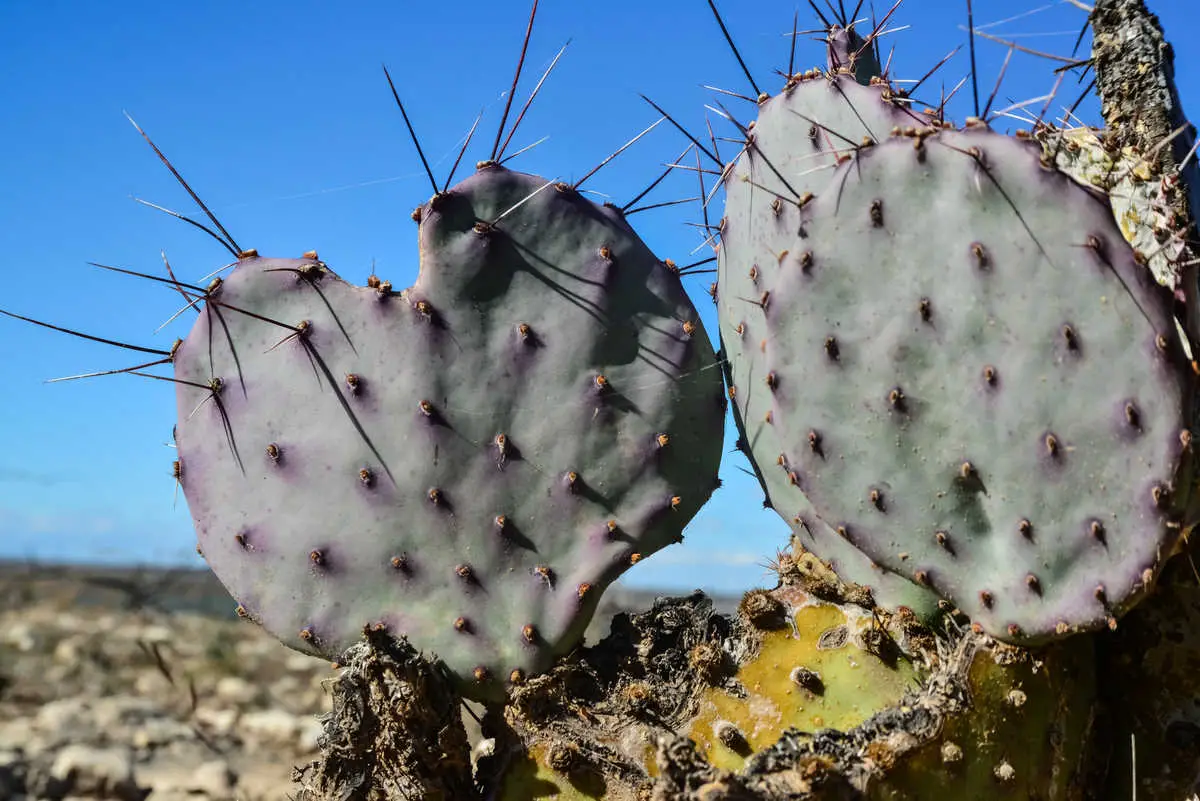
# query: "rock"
171, 793
214, 779
310, 730
236, 690
63, 721
266, 726
16, 735
125, 710
69, 650
208, 780
302, 663
61, 714
21, 636
91, 715
159, 732
83, 770
216, 721
157, 634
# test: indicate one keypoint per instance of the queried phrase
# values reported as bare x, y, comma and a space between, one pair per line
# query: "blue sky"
280, 117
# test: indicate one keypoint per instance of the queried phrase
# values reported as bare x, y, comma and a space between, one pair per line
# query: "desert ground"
138, 683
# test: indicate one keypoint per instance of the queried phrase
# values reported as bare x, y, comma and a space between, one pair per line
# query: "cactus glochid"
955, 370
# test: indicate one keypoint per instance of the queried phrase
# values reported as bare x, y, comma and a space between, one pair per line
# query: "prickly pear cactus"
961, 370
801, 135
467, 463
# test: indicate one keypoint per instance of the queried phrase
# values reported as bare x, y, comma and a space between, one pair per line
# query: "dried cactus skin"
823, 670
798, 138
616, 699
1028, 734
525, 422
1140, 200
997, 723
888, 709
1015, 455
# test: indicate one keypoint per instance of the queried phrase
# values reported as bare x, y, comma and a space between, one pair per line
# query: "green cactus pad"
468, 463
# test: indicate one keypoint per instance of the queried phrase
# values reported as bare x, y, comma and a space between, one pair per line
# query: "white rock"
216, 721
158, 732
87, 771
214, 779
236, 690
310, 730
151, 683
15, 734
156, 634
300, 663
69, 650
20, 636
170, 793
66, 622
63, 715
273, 725
124, 710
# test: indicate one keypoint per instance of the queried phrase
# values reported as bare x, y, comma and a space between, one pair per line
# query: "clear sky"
279, 115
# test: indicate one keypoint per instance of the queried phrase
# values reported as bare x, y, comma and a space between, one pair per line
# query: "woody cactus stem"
1135, 78
1151, 657
387, 692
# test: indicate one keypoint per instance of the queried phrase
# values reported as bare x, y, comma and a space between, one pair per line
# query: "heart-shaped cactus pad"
467, 463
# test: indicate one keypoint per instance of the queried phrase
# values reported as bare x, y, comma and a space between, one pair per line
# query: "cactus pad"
467, 463
799, 138
997, 391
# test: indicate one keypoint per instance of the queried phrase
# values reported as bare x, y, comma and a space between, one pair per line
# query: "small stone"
216, 721
83, 770
160, 732
270, 725
62, 715
301, 663
156, 634
69, 651
214, 779
309, 734
951, 753
20, 636
124, 710
236, 690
